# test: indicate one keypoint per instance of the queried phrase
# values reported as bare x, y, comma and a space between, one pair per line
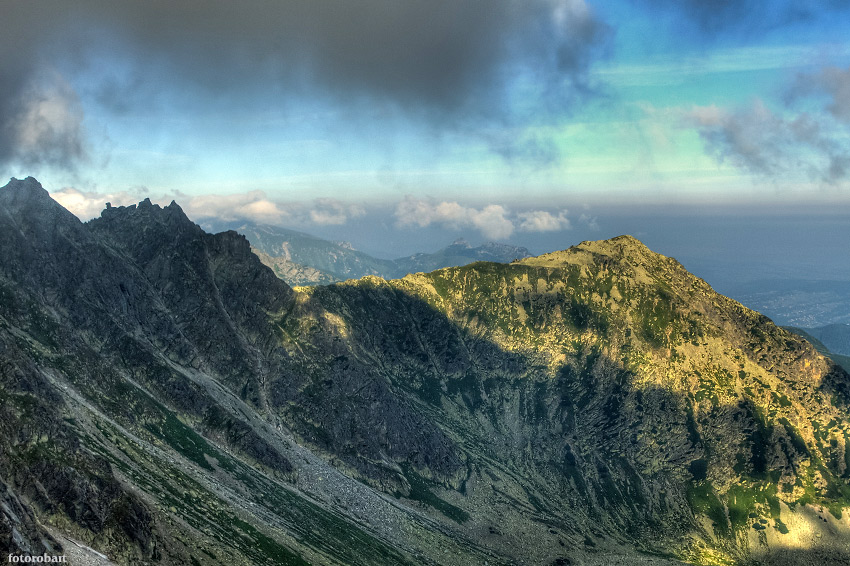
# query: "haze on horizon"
708, 128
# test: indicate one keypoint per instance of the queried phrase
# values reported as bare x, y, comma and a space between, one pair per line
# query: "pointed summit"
28, 184
18, 191
622, 248
26, 200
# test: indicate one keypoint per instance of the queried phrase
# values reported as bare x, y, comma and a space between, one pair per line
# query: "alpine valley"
166, 399
302, 259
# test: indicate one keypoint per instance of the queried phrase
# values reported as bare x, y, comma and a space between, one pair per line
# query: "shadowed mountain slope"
166, 398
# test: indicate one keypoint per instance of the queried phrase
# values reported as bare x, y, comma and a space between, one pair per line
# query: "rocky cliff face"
302, 259
166, 398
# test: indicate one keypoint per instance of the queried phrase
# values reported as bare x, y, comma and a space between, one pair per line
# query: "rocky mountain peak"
27, 196
146, 212
147, 227
24, 188
621, 250
26, 209
620, 246
504, 250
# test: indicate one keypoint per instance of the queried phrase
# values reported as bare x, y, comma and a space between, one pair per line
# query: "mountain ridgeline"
165, 398
302, 259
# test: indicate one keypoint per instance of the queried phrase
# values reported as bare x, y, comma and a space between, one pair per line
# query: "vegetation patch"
703, 500
420, 490
184, 440
657, 320
741, 502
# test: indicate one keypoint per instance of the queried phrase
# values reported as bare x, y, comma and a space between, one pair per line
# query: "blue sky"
504, 120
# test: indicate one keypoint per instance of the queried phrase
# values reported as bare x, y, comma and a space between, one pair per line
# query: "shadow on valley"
591, 454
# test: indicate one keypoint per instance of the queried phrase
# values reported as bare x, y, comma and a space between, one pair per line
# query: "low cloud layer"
254, 206
89, 204
493, 221
542, 221
490, 220
592, 222
332, 212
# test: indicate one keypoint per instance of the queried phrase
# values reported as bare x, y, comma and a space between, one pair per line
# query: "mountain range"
303, 259
165, 398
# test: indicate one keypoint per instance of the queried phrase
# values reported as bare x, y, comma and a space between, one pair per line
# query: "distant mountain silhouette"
302, 259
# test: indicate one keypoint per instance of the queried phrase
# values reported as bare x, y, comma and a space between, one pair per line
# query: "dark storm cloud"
18, 74
40, 118
48, 126
425, 56
742, 17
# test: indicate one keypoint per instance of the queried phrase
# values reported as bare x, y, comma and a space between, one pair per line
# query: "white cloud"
327, 211
414, 212
252, 205
257, 207
543, 221
494, 221
491, 220
86, 205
